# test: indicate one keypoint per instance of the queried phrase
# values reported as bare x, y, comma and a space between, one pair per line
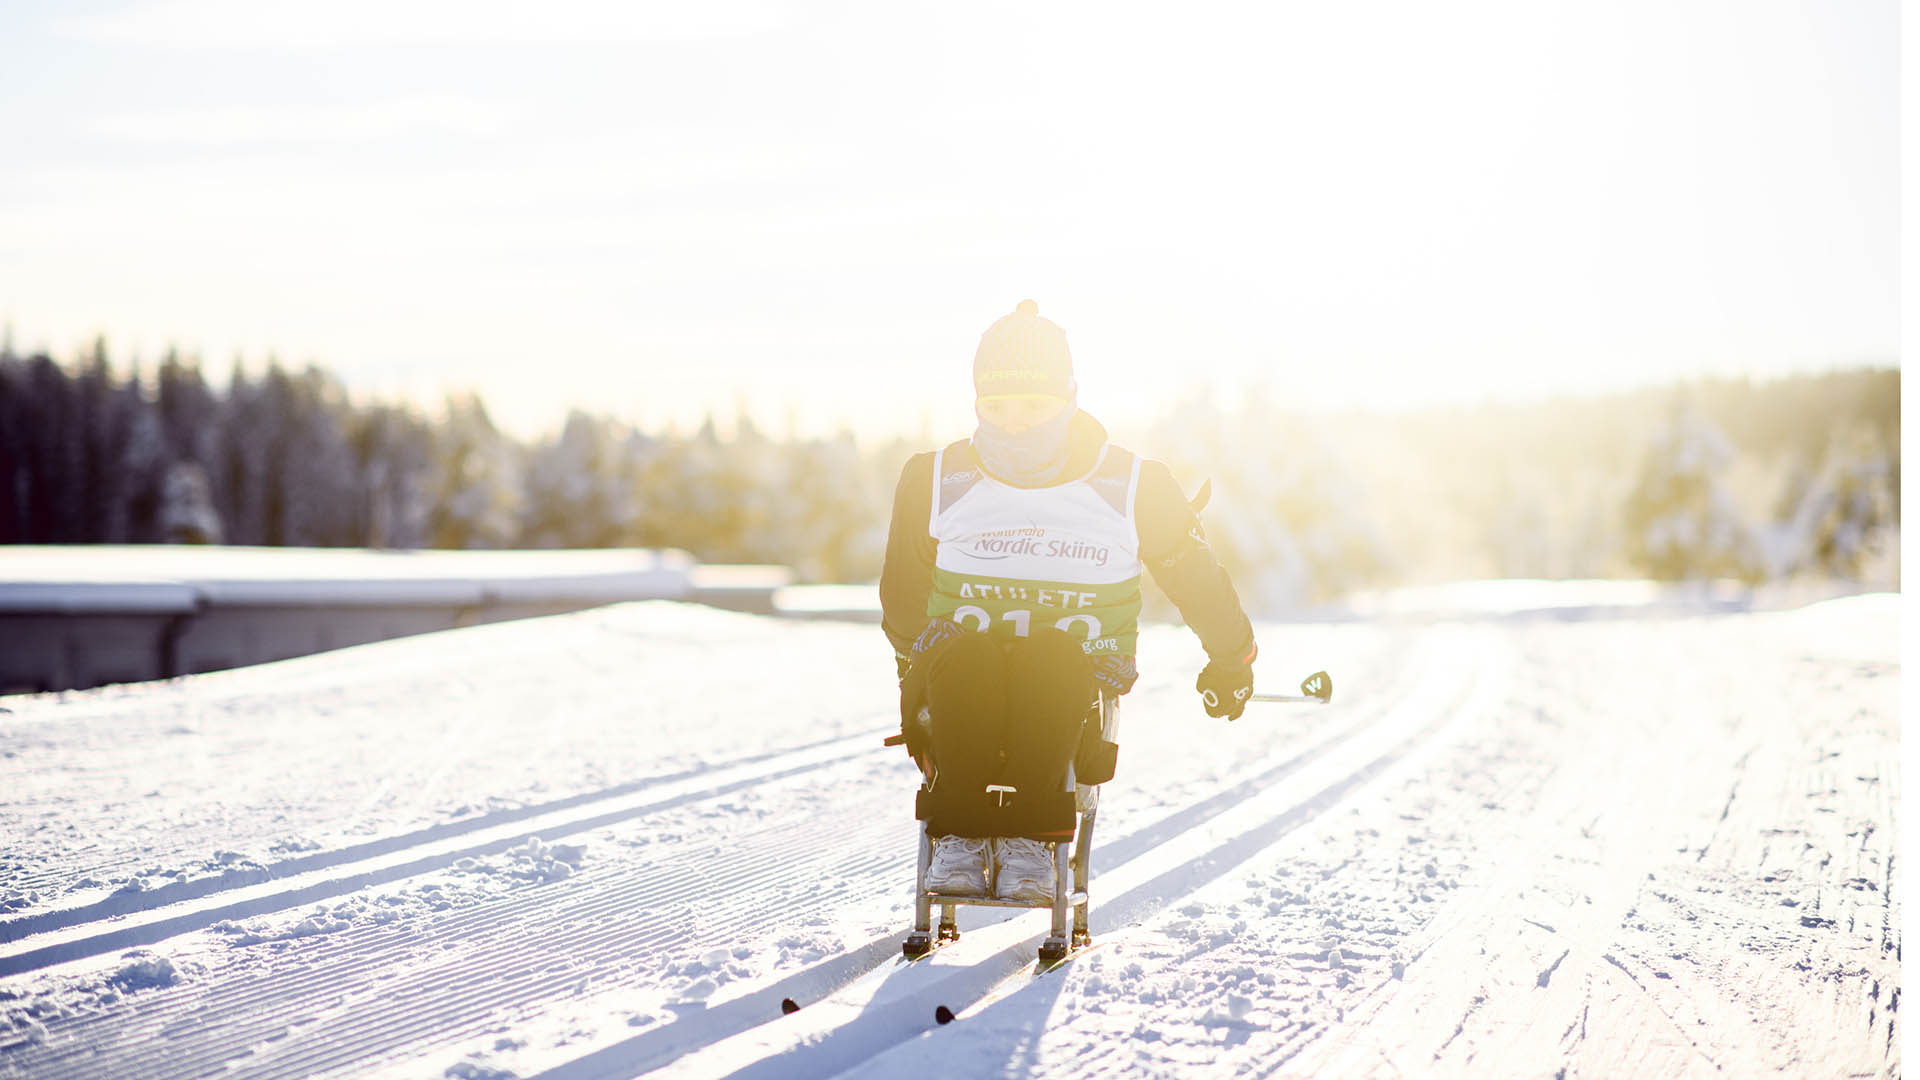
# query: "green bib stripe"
1009, 561
1108, 616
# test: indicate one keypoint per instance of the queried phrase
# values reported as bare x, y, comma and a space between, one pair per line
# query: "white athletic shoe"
1023, 869
959, 866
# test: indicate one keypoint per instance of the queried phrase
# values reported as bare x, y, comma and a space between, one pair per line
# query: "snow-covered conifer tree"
1682, 520
479, 489
580, 490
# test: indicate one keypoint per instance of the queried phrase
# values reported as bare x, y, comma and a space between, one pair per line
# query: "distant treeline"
1716, 478
92, 453
1795, 477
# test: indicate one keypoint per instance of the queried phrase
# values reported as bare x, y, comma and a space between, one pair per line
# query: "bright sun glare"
812, 211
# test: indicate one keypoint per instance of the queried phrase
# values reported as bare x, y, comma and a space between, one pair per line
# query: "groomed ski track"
584, 848
196, 905
1196, 847
372, 999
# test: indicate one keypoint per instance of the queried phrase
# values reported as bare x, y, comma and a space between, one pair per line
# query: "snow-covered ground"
609, 843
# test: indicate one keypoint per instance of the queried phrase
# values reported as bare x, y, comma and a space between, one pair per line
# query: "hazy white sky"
654, 210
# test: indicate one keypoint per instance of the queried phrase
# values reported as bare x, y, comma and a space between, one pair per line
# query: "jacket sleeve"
1173, 544
906, 577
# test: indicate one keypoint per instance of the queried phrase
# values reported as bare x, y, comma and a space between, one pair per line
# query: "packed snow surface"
1623, 839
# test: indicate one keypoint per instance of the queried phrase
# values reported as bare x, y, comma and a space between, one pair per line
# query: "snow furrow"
660, 1047
535, 917
1627, 847
130, 902
892, 1006
1636, 869
178, 781
628, 915
402, 862
334, 1005
522, 932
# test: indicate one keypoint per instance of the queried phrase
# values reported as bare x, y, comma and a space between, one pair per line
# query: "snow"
1510, 596
610, 842
175, 577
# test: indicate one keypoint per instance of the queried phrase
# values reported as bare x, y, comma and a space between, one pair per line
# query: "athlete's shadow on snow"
698, 1027
1003, 1039
895, 1018
1022, 1016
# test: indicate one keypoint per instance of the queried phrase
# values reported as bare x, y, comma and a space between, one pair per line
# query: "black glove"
1114, 674
913, 694
1225, 687
913, 684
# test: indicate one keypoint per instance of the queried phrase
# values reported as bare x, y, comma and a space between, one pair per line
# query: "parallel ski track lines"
628, 911
250, 762
664, 1045
661, 1046
660, 1049
126, 903
827, 1041
392, 864
349, 989
624, 913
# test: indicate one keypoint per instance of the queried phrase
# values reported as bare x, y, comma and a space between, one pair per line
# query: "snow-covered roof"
167, 578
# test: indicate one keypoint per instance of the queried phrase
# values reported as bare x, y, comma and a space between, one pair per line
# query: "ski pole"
1316, 688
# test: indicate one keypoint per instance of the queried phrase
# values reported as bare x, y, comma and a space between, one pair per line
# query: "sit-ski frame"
1070, 874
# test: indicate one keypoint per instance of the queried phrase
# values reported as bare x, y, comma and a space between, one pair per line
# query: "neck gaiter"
1028, 458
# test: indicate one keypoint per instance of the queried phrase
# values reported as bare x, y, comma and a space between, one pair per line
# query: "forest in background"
1719, 478
1756, 481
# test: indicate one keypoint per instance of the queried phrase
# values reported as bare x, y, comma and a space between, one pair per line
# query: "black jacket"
1173, 546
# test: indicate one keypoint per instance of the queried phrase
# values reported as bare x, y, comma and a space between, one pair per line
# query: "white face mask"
1033, 456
